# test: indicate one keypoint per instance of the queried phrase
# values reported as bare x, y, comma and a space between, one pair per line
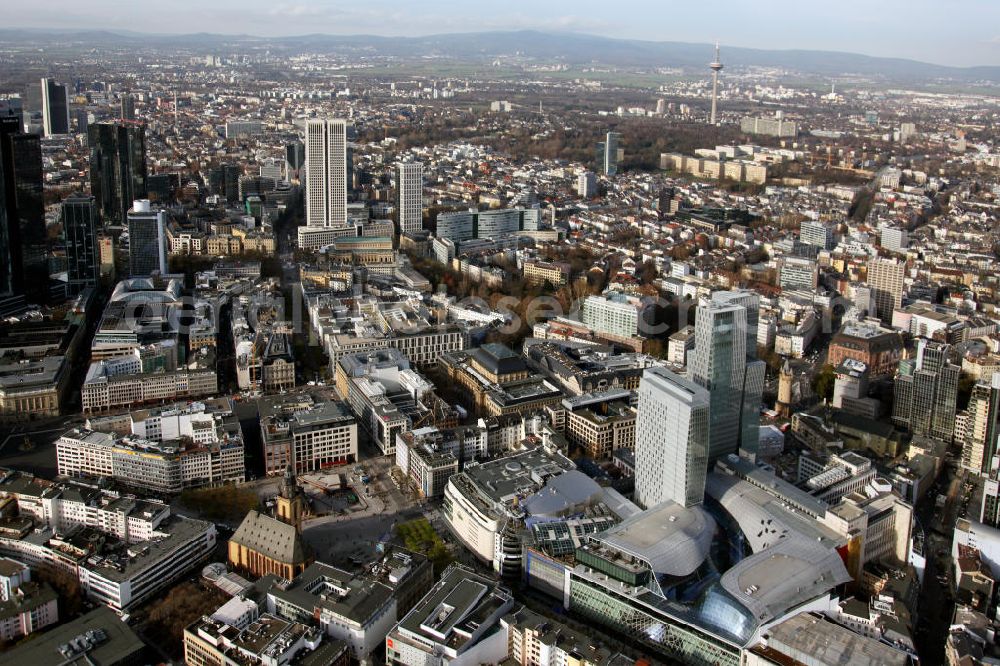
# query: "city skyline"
510, 346
889, 29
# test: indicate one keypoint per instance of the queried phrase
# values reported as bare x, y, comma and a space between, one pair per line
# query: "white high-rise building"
671, 440
410, 196
611, 313
586, 184
725, 362
326, 173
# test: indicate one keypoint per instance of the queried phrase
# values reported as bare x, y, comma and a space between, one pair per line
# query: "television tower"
716, 67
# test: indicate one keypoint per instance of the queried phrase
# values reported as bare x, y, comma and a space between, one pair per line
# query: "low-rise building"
99, 637
31, 388
598, 422
25, 606
267, 641
204, 451
535, 639
354, 609
305, 435
116, 382
389, 397
540, 272
456, 623
499, 382
878, 348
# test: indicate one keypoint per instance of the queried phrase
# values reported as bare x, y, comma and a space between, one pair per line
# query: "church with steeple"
266, 544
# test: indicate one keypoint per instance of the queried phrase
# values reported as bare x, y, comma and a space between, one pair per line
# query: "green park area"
420, 537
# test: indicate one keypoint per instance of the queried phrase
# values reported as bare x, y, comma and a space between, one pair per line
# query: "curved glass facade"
720, 611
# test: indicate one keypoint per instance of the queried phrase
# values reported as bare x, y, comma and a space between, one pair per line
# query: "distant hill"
571, 48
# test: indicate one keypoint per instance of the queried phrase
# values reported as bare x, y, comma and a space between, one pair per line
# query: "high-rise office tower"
81, 119
586, 184
55, 108
982, 419
410, 196
295, 157
716, 67
11, 115
926, 392
608, 154
885, 277
128, 106
117, 168
326, 173
724, 362
79, 218
23, 267
147, 240
671, 440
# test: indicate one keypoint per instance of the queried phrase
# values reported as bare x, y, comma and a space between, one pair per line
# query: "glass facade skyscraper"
55, 108
24, 269
926, 392
79, 218
724, 361
117, 168
147, 242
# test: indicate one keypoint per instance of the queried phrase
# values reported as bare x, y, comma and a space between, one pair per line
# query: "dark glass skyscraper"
79, 218
128, 107
147, 244
117, 168
295, 157
55, 108
24, 270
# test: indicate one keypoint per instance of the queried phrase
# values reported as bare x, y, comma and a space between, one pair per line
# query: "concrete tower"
716, 67
785, 380
326, 173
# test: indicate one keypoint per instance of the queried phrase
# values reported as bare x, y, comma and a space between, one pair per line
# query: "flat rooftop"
807, 637
503, 477
119, 643
455, 608
336, 591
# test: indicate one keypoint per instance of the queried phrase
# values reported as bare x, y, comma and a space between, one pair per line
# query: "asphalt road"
936, 605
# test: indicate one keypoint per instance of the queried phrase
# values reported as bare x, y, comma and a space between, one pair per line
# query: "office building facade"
613, 313
410, 196
326, 173
724, 361
608, 154
117, 168
885, 277
23, 267
147, 249
926, 392
295, 157
816, 234
79, 217
55, 108
128, 106
671, 440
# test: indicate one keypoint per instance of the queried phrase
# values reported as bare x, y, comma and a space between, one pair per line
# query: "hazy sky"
953, 32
